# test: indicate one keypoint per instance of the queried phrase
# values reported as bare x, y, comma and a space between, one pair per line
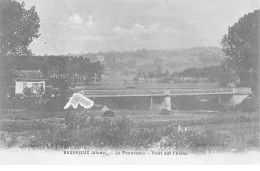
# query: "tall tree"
241, 45
225, 75
18, 28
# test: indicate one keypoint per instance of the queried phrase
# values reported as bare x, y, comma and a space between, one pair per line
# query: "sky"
89, 26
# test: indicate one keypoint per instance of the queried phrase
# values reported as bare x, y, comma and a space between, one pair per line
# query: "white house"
28, 78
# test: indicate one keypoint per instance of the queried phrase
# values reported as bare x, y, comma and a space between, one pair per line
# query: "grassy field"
199, 131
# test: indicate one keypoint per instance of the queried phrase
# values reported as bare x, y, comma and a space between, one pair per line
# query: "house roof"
28, 75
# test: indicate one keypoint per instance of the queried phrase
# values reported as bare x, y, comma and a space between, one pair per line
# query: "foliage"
109, 113
196, 139
55, 103
151, 73
241, 45
254, 139
27, 91
164, 80
40, 91
135, 80
82, 130
59, 70
211, 74
225, 75
164, 112
18, 28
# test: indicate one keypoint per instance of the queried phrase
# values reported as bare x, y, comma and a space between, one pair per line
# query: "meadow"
191, 131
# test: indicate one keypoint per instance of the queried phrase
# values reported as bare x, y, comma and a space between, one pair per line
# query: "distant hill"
127, 62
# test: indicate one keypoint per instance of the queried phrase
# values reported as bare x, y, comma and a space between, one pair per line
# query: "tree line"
57, 69
149, 74
220, 74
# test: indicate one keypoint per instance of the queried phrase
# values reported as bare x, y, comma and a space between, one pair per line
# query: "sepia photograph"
129, 82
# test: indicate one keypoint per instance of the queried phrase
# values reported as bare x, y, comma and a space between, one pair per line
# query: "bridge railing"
163, 92
200, 91
243, 90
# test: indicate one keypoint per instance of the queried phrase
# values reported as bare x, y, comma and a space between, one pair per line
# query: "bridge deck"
164, 92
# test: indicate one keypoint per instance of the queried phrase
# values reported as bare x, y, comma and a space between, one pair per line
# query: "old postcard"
129, 81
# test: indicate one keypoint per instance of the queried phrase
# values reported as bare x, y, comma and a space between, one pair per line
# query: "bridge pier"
168, 104
151, 104
162, 104
237, 99
231, 100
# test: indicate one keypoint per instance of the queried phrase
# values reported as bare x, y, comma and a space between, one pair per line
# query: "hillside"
125, 64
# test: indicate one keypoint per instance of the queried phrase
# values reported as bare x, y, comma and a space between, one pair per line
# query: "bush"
196, 139
109, 113
164, 112
225, 139
105, 133
22, 102
28, 92
164, 80
30, 103
80, 130
253, 140
55, 104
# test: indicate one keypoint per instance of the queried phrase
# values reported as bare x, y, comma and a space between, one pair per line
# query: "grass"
195, 132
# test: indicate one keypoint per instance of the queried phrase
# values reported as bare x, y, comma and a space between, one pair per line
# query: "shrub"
105, 133
55, 104
225, 139
28, 92
30, 103
164, 80
109, 113
80, 130
22, 141
253, 140
164, 112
